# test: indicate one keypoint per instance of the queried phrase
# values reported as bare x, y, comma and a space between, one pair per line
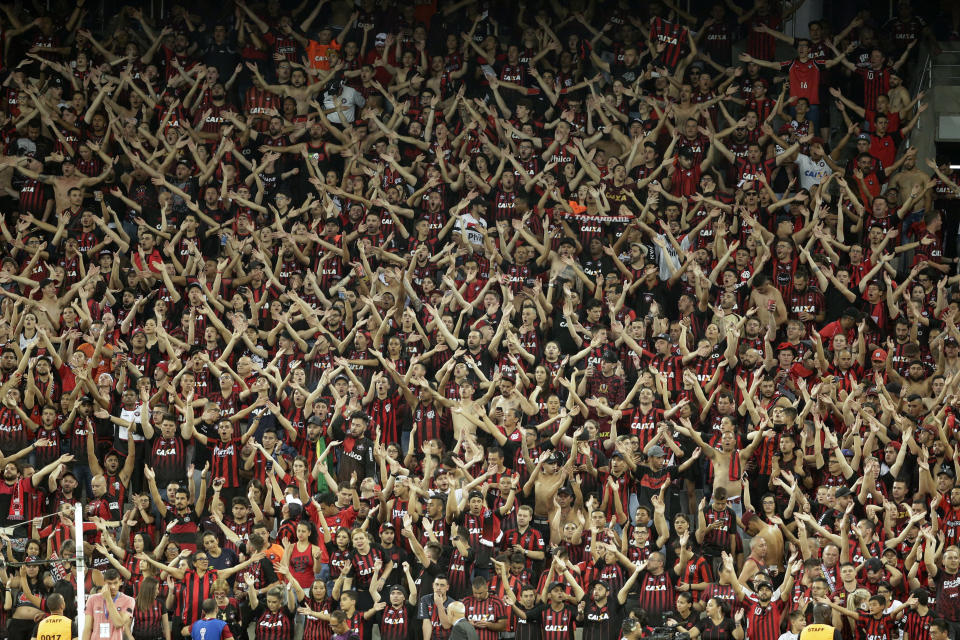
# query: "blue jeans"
82, 472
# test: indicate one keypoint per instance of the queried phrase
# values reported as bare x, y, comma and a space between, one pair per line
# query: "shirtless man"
766, 548
730, 479
910, 177
899, 96
510, 398
545, 481
767, 300
62, 184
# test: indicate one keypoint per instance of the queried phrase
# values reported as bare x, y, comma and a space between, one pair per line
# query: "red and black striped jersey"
672, 36
225, 461
882, 628
718, 539
194, 589
168, 459
559, 625
316, 628
763, 622
656, 592
185, 528
273, 625
363, 566
490, 609
397, 623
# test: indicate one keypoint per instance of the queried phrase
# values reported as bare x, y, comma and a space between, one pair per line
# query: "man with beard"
765, 606
487, 614
273, 139
21, 500
916, 380
599, 616
727, 462
297, 89
316, 145
354, 454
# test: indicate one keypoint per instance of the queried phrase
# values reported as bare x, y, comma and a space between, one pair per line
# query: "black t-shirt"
398, 556
649, 481
601, 622
711, 631
561, 333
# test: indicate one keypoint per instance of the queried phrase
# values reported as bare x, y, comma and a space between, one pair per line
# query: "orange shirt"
318, 54
105, 365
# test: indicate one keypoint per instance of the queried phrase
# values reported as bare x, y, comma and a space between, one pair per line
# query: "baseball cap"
864, 136
565, 489
554, 585
662, 336
656, 451
842, 491
874, 564
878, 355
747, 517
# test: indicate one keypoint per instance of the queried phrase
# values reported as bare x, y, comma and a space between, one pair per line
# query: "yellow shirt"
55, 627
810, 632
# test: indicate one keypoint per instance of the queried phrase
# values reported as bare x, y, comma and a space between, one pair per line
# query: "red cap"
747, 517
879, 354
163, 366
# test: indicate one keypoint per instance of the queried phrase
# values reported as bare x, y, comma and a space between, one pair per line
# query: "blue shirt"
207, 629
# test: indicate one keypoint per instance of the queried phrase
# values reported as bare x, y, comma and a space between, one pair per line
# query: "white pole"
78, 536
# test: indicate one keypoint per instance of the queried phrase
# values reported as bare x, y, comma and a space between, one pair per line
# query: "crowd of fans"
551, 316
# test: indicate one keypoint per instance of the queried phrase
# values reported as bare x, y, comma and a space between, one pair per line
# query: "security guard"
55, 626
821, 629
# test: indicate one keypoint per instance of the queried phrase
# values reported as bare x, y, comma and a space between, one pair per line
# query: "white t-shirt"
350, 99
472, 226
130, 416
812, 173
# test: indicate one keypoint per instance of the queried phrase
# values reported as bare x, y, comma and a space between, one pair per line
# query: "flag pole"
78, 537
